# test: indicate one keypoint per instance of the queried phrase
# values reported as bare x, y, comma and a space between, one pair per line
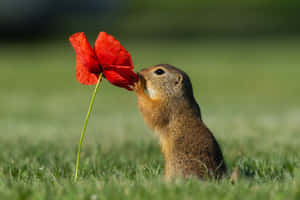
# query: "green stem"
85, 125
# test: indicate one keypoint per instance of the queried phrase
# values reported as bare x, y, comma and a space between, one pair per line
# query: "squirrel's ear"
179, 79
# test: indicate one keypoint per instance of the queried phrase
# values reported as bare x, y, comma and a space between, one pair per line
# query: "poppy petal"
110, 51
84, 52
83, 76
121, 76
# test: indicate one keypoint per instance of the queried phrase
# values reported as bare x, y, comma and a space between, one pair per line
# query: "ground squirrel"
170, 109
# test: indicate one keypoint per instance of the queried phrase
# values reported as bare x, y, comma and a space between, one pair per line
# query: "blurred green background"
242, 58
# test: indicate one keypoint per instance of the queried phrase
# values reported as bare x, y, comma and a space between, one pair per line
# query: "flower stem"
85, 125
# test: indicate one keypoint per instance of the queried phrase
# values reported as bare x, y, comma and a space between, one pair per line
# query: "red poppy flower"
108, 57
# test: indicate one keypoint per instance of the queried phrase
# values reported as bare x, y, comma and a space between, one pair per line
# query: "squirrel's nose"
141, 78
141, 74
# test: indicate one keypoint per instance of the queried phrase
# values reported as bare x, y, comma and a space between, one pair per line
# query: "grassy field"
248, 91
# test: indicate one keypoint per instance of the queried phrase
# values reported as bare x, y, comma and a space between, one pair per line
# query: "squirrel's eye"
159, 72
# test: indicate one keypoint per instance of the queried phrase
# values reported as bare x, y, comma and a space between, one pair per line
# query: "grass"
248, 91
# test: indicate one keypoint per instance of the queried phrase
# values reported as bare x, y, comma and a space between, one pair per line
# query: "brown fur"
189, 147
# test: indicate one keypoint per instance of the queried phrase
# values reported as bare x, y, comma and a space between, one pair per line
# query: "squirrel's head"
164, 81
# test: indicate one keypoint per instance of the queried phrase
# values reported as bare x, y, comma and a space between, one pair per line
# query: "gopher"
169, 108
